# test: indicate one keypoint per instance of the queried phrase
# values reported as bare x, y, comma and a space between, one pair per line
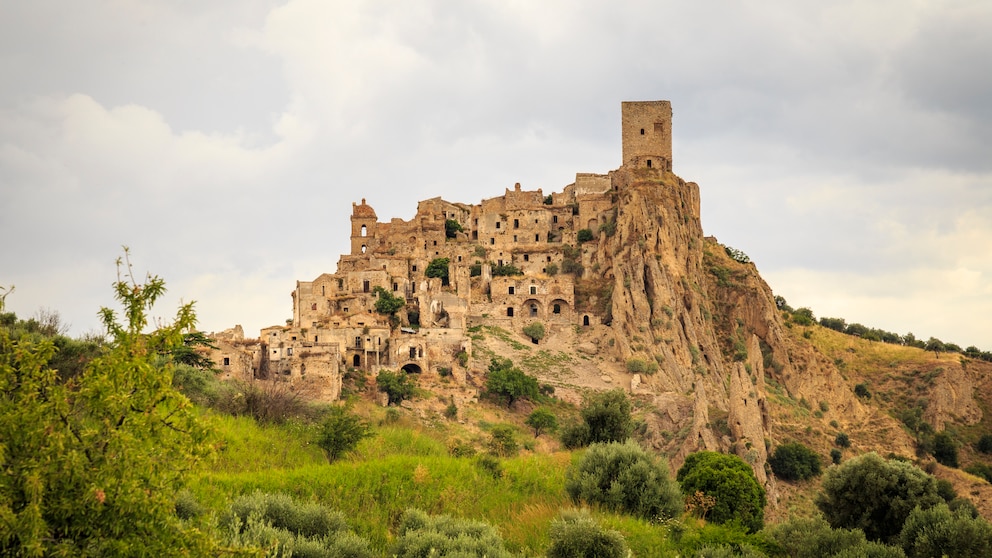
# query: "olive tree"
730, 482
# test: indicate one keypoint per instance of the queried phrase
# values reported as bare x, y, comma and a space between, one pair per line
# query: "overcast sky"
846, 147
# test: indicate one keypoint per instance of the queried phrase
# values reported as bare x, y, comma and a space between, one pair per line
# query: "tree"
795, 462
577, 535
875, 495
935, 345
813, 538
452, 228
984, 444
92, 467
438, 268
842, 440
506, 380
341, 432
397, 385
622, 477
607, 415
940, 532
803, 316
422, 535
945, 450
386, 303
584, 235
187, 353
542, 420
727, 478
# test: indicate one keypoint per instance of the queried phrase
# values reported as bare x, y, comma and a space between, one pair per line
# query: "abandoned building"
508, 261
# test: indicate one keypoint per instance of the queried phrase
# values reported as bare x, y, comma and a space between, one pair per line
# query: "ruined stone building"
511, 260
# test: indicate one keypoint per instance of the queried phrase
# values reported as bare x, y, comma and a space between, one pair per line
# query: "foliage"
607, 414
271, 401
984, 444
835, 456
622, 477
187, 353
737, 255
397, 385
739, 495
507, 381
584, 235
945, 449
795, 461
575, 435
551, 269
386, 303
502, 441
641, 366
813, 538
874, 495
939, 532
452, 228
438, 268
506, 270
935, 345
542, 420
861, 390
284, 527
534, 330
91, 467
577, 535
842, 440
803, 316
980, 470
421, 535
340, 432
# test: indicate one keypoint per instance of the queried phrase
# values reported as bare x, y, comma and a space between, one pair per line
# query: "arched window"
365, 230
357, 361
585, 320
556, 309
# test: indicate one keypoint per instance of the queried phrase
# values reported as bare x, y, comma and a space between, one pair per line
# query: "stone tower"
363, 227
647, 134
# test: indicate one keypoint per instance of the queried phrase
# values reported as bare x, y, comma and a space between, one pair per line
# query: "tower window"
642, 131
497, 224
649, 163
516, 223
557, 309
533, 290
526, 259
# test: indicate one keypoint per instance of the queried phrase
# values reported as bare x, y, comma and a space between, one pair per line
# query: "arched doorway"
412, 368
585, 320
357, 361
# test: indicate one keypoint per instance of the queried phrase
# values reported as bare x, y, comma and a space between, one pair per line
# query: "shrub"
813, 538
506, 270
584, 235
946, 490
737, 255
795, 462
386, 303
607, 414
490, 465
640, 366
575, 435
397, 385
421, 535
551, 269
861, 390
542, 420
624, 478
340, 432
940, 532
835, 456
945, 450
842, 440
535, 331
980, 470
438, 268
874, 495
803, 316
462, 358
502, 441
577, 535
984, 444
739, 495
507, 381
452, 228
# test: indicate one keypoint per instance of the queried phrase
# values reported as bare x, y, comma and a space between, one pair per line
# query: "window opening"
556, 309
533, 310
509, 312
533, 289
227, 361
511, 289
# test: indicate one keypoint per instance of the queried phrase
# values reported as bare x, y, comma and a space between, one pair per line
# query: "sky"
846, 147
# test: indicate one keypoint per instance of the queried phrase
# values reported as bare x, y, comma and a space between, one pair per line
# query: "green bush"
727, 478
542, 420
607, 414
939, 532
584, 235
438, 268
813, 538
397, 385
984, 444
502, 441
835, 456
506, 270
577, 535
624, 478
535, 331
386, 303
507, 381
874, 495
861, 390
452, 228
421, 535
575, 435
842, 440
340, 432
945, 449
641, 366
795, 462
980, 470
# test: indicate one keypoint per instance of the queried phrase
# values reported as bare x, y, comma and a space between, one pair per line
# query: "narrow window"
289, 351
642, 131
526, 259
554, 219
537, 237
492, 241
358, 342
533, 310
435, 243
556, 309
511, 289
516, 223
396, 287
413, 352
315, 339
413, 268
514, 238
227, 361
322, 293
497, 224
459, 258
364, 230
649, 163
340, 284
420, 352
585, 320
365, 286
509, 312
533, 289
357, 361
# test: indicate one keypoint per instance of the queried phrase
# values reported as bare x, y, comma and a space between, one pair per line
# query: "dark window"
554, 219
642, 131
497, 224
585, 320
514, 238
533, 310
227, 361
357, 361
526, 259
413, 352
556, 309
396, 287
537, 237
365, 286
492, 241
511, 290
509, 312
413, 267
533, 289
358, 342
649, 163
516, 223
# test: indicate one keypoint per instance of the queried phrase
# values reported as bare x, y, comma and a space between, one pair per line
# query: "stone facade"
335, 323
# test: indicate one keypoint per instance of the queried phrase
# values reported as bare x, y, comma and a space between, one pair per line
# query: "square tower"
647, 134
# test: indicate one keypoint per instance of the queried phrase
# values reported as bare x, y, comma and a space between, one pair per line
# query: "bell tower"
363, 227
647, 134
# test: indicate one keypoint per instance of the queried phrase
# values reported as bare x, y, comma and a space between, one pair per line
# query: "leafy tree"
421, 535
386, 303
842, 440
340, 432
607, 414
813, 538
875, 495
577, 535
506, 270
781, 304
438, 268
187, 353
397, 385
861, 390
542, 420
835, 456
622, 477
506, 380
945, 450
584, 235
803, 316
984, 444
939, 532
727, 478
935, 345
452, 228
795, 461
92, 467
836, 324
535, 331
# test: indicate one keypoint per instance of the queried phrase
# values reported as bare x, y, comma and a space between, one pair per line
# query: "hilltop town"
511, 260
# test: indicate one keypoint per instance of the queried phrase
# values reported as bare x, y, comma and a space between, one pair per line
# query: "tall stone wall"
647, 134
